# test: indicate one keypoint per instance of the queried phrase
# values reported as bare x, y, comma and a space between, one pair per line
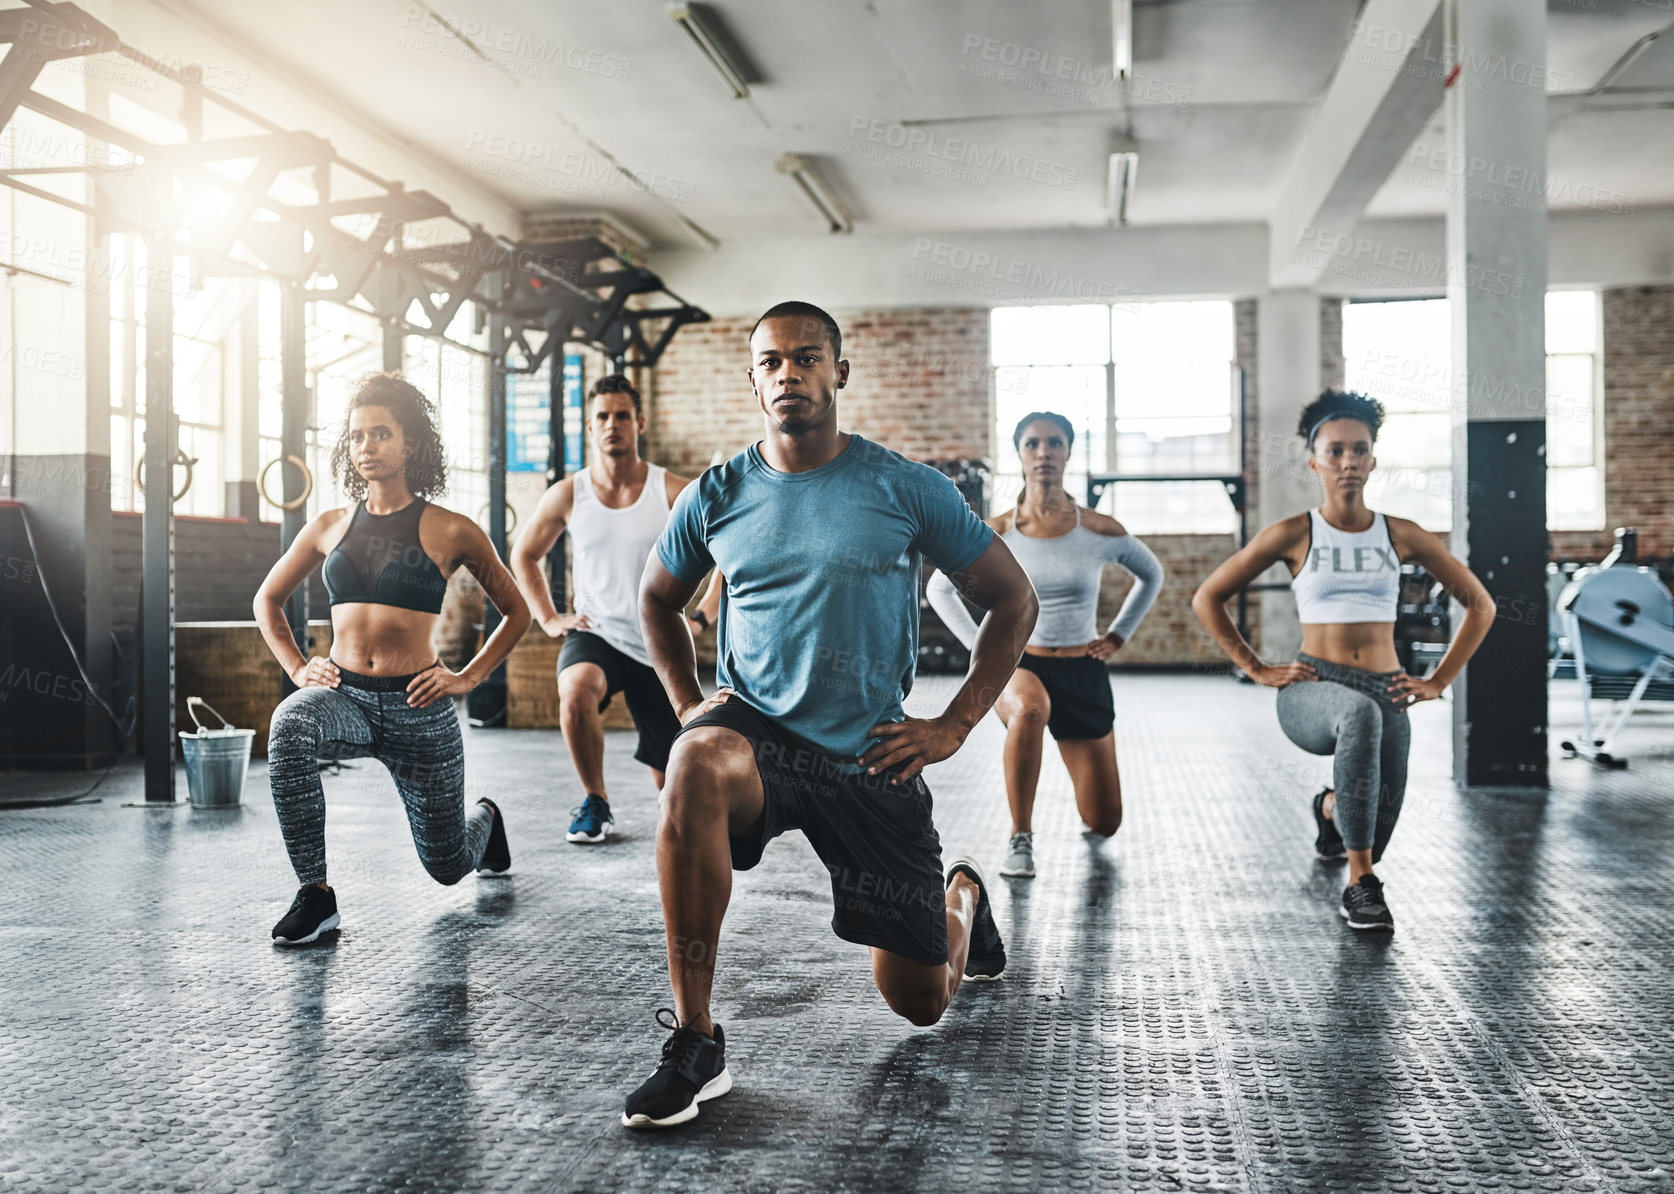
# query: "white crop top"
1348, 576
1065, 571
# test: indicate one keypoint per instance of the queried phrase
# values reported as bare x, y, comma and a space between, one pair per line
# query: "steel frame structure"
362, 241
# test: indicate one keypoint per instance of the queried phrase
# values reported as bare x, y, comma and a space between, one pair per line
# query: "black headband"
1336, 414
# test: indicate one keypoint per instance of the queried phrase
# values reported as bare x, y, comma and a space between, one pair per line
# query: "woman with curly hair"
1346, 695
383, 693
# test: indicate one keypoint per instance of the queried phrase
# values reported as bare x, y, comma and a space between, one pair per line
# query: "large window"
201, 321
343, 346
1151, 389
1401, 354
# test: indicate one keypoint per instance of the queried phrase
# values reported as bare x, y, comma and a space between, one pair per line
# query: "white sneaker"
1020, 857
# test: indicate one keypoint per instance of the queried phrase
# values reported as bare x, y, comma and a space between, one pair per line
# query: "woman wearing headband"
1346, 695
1062, 683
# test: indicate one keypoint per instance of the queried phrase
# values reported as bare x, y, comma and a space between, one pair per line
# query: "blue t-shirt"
819, 618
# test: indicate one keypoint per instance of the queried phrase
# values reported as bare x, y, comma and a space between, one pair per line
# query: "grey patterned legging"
368, 717
1349, 713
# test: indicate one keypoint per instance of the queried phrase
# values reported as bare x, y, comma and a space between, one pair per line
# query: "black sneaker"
1363, 905
1328, 843
693, 1070
496, 856
312, 912
985, 960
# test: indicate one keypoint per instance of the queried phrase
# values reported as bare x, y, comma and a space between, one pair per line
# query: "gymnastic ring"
511, 523
180, 457
297, 502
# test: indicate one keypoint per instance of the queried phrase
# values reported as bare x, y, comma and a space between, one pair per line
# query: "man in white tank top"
614, 512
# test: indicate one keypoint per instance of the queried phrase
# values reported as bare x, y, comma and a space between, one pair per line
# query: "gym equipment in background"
1618, 623
1423, 622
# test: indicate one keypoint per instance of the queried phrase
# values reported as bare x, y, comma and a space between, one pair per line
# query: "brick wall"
219, 564
918, 384
1638, 413
1171, 635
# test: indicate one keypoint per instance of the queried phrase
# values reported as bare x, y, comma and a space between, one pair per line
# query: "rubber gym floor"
1184, 1009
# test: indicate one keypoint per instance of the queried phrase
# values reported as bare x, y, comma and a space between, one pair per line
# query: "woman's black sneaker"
312, 912
496, 856
985, 960
693, 1070
1328, 843
1363, 905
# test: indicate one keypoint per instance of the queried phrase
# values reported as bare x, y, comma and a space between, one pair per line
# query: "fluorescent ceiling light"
1121, 39
1124, 165
816, 190
707, 46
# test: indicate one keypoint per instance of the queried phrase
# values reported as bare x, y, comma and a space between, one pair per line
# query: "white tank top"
1348, 576
609, 548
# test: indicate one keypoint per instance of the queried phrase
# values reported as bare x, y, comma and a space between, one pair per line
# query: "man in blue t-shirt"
820, 535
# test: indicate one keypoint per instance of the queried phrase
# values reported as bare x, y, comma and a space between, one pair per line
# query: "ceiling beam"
1387, 87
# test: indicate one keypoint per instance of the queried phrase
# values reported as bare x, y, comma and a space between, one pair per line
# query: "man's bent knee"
704, 768
922, 1008
582, 686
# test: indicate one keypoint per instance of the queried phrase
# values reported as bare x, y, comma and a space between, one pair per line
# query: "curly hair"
1339, 404
427, 467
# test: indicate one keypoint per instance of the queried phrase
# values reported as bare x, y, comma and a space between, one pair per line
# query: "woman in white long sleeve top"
1062, 683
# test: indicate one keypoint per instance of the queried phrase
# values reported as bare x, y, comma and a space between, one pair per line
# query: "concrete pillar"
243, 404
486, 706
297, 413
1496, 284
157, 525
1287, 378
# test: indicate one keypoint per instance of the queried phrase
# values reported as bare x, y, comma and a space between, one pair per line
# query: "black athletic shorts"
1079, 689
875, 838
647, 701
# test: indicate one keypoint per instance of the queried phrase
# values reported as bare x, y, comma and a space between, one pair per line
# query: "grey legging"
368, 717
1349, 713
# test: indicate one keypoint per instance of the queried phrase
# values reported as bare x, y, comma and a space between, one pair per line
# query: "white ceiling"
1225, 91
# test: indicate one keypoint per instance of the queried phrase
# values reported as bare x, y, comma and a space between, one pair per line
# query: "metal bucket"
216, 760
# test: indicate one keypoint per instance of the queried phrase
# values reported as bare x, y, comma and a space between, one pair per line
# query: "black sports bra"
381, 561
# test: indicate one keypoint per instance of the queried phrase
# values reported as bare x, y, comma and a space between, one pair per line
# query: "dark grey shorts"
876, 839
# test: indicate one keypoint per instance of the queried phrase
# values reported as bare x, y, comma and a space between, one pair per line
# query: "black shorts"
1079, 689
647, 701
876, 839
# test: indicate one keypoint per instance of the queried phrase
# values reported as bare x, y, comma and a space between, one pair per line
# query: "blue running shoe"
591, 822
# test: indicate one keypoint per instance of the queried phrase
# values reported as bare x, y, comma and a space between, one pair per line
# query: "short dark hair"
1050, 417
806, 311
1339, 404
617, 383
427, 467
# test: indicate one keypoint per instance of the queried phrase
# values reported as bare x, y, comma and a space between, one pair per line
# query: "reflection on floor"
1185, 1010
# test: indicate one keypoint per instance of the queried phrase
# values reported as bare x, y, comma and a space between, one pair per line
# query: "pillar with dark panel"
1496, 255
